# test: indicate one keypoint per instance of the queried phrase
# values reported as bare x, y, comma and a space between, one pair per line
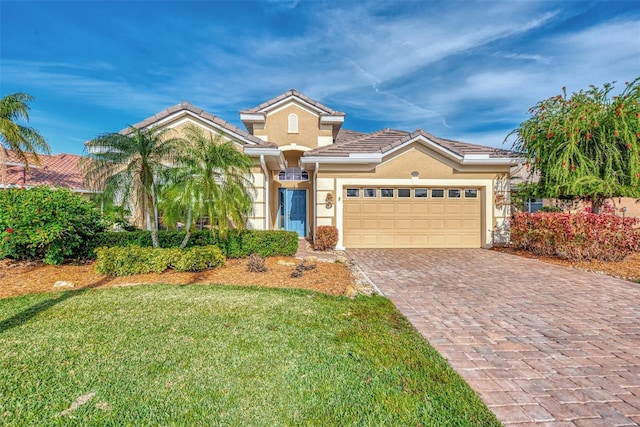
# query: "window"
386, 192
404, 192
420, 192
353, 192
293, 174
454, 193
437, 193
470, 193
532, 205
293, 123
370, 192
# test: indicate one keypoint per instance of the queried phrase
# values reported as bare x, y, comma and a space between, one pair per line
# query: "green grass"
222, 356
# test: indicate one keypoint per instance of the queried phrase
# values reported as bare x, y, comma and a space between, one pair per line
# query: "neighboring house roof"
187, 107
382, 141
59, 170
293, 93
347, 135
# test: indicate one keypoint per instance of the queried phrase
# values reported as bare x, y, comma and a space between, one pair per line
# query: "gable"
428, 164
309, 133
178, 125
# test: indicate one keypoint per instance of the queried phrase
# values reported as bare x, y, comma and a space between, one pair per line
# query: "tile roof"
295, 93
187, 106
347, 135
62, 170
386, 139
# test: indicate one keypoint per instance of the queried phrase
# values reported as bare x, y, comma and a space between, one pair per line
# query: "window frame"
292, 123
437, 197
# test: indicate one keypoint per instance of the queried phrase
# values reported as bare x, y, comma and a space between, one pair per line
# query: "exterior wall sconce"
328, 201
415, 174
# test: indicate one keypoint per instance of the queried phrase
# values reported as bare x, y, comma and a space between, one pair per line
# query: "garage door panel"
403, 208
386, 224
403, 224
437, 224
420, 224
386, 240
412, 222
471, 224
386, 209
403, 240
370, 224
471, 208
453, 224
437, 208
352, 224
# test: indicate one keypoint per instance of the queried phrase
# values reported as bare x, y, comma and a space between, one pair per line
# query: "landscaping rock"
63, 284
286, 263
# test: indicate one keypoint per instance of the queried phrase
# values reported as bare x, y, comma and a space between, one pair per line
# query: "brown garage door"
392, 217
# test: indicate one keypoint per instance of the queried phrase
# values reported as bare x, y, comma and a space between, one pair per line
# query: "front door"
292, 215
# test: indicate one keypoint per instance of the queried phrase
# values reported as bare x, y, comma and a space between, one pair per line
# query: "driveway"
540, 343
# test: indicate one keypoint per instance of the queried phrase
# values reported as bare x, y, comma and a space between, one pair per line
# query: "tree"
586, 146
128, 168
210, 178
22, 140
51, 224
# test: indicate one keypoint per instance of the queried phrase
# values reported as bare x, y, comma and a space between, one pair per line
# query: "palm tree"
210, 179
22, 140
129, 167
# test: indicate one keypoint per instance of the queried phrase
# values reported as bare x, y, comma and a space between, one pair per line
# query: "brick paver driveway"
542, 344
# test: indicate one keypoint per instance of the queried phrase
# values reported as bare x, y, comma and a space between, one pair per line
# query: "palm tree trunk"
187, 236
154, 226
3, 166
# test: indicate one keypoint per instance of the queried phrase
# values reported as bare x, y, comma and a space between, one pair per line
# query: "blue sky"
462, 70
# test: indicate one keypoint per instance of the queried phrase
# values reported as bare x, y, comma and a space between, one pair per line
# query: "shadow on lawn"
25, 315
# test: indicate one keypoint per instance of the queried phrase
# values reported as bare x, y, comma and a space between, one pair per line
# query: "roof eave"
353, 158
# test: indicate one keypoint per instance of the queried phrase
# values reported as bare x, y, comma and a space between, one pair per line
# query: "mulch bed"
627, 269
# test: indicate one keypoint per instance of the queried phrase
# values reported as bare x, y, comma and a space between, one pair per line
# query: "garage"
412, 217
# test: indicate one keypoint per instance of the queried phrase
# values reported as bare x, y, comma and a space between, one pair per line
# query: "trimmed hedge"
576, 237
238, 244
133, 259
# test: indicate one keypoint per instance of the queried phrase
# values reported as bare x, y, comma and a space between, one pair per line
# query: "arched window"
293, 123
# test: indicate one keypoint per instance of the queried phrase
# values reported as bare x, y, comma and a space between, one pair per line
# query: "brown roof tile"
186, 106
62, 170
293, 93
387, 139
345, 135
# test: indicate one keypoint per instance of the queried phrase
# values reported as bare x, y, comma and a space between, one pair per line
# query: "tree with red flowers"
586, 146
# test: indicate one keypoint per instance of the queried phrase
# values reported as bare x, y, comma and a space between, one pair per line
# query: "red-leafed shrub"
326, 238
576, 237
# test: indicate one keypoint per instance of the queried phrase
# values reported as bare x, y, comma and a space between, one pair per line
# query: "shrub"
255, 264
197, 258
582, 236
550, 209
326, 238
263, 242
51, 224
238, 244
125, 261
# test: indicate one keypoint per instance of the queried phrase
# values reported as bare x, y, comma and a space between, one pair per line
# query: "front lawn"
209, 355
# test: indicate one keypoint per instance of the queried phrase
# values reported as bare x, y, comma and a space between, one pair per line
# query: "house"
386, 189
59, 170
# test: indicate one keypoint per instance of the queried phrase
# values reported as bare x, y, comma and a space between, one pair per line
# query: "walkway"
540, 343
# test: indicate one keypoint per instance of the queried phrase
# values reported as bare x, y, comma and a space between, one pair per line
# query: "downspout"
315, 202
266, 192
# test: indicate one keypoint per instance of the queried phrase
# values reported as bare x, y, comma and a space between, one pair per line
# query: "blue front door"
292, 215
